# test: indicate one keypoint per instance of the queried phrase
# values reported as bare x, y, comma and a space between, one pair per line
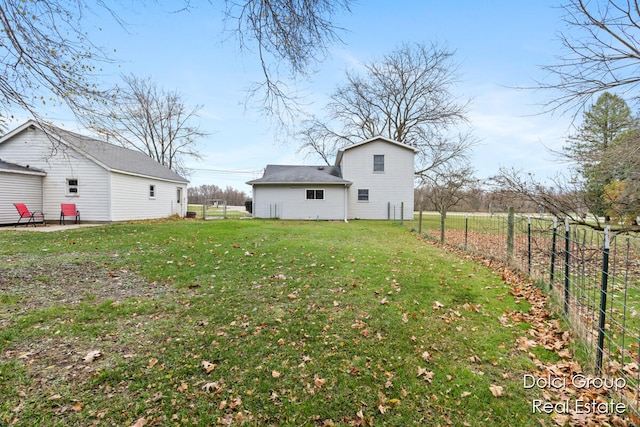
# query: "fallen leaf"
437, 305
275, 374
426, 355
183, 387
92, 355
405, 318
140, 423
560, 419
208, 367
318, 382
152, 362
383, 301
77, 407
496, 390
213, 386
465, 394
565, 354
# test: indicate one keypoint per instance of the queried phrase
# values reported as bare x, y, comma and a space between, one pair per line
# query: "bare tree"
153, 121
561, 198
47, 54
204, 193
405, 96
290, 32
601, 53
445, 187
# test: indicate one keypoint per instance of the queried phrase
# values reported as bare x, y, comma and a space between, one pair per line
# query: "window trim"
70, 186
378, 164
360, 199
315, 191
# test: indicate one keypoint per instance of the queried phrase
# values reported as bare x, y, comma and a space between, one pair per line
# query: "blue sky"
499, 46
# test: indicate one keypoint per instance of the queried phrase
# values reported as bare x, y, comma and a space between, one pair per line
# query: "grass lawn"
255, 322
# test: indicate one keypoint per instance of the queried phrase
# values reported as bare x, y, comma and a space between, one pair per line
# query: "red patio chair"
31, 217
69, 209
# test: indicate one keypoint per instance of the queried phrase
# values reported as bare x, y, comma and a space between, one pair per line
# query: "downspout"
346, 200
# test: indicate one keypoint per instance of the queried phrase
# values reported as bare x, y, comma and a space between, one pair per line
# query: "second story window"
378, 162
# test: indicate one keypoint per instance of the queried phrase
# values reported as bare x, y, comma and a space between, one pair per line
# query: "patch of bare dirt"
26, 287
58, 282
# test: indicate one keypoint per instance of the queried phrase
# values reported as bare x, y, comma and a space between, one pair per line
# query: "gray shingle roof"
114, 157
12, 167
287, 174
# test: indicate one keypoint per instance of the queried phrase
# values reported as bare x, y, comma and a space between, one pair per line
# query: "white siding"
290, 202
102, 195
131, 200
34, 148
390, 190
19, 188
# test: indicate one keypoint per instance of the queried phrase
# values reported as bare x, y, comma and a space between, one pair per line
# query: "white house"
44, 166
370, 180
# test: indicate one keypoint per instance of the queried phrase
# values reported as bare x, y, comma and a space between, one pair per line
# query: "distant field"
219, 211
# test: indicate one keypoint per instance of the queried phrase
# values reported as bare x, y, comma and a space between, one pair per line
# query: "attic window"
72, 187
315, 194
152, 191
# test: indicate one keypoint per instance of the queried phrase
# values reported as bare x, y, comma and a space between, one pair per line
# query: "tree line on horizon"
206, 193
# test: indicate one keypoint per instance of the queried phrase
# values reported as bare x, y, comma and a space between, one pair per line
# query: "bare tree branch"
153, 121
601, 53
405, 96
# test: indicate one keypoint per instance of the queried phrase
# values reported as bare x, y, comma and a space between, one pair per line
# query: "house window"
152, 191
378, 162
315, 194
72, 187
363, 195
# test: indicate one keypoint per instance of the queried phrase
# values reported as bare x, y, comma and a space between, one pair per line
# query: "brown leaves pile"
548, 333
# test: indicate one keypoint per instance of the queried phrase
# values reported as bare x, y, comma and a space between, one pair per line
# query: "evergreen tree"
607, 121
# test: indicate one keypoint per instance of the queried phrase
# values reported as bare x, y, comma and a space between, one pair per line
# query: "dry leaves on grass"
548, 333
496, 390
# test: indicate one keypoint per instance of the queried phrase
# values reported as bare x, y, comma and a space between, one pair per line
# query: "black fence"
595, 275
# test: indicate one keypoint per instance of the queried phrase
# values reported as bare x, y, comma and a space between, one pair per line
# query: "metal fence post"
603, 298
529, 244
466, 230
566, 265
510, 232
553, 253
